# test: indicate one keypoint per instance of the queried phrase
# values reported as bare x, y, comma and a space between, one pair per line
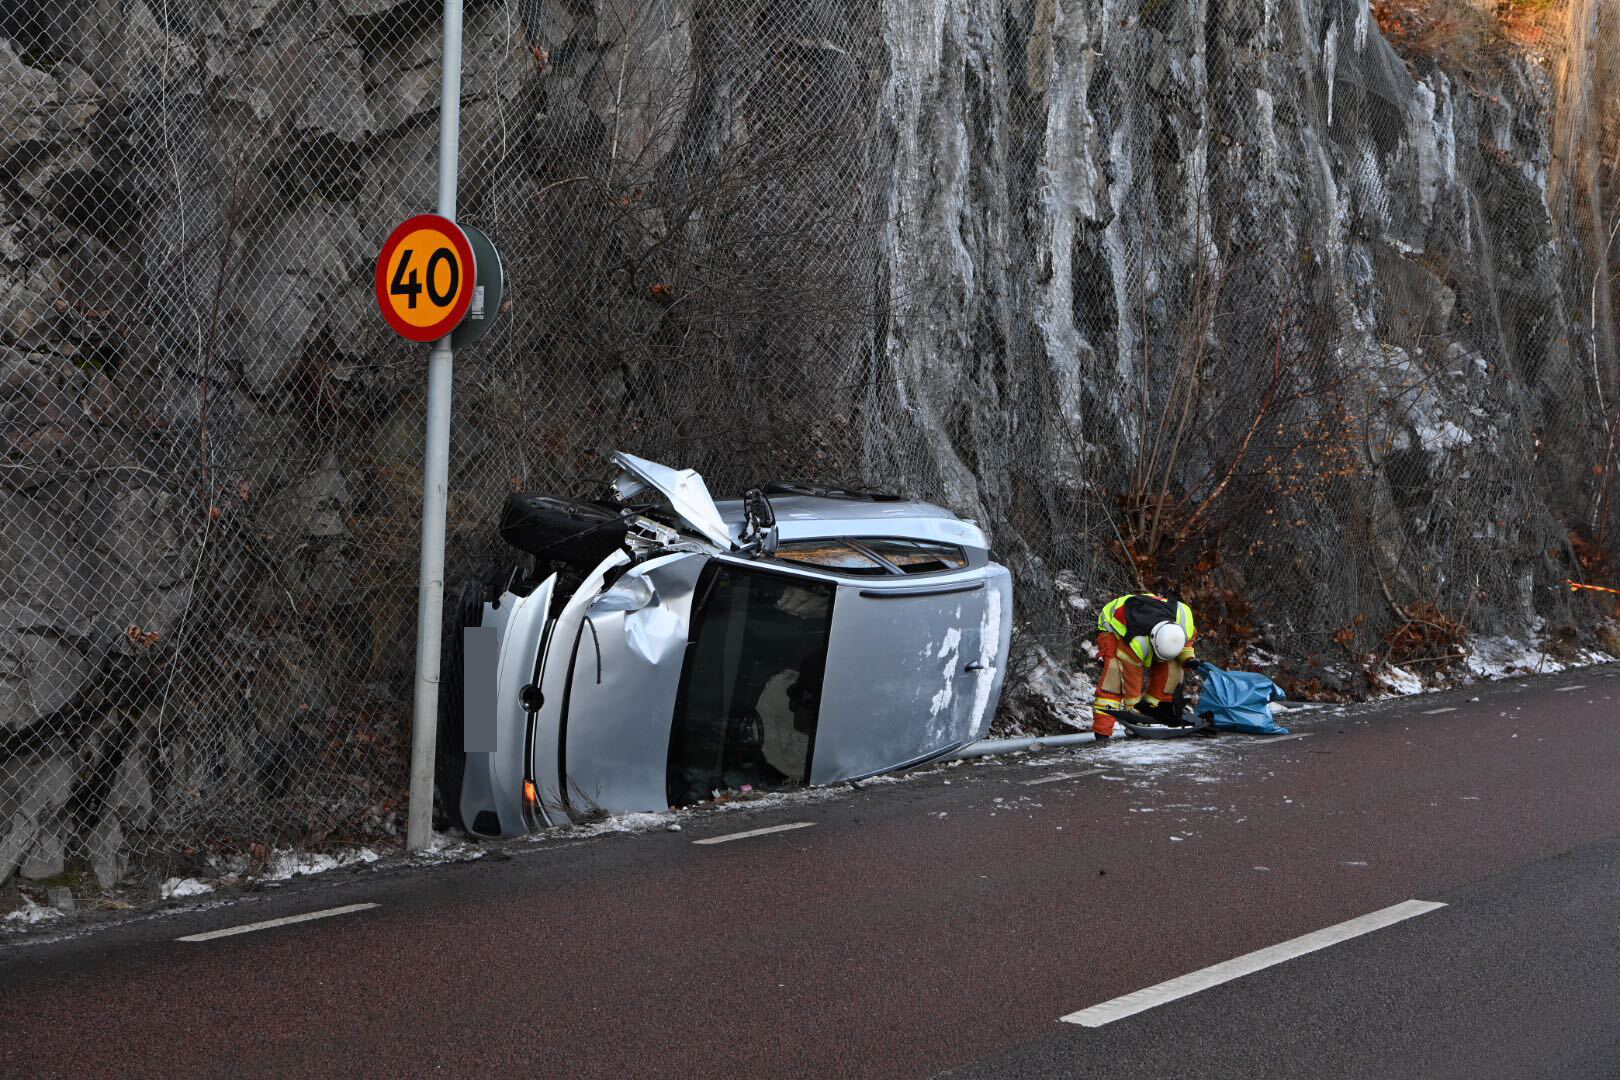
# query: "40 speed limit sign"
427, 277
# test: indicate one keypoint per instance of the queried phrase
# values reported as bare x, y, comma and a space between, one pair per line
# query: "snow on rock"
1051, 689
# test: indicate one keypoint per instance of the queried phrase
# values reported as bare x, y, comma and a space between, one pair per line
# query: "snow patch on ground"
615, 823
176, 887
448, 847
1398, 680
1148, 753
285, 865
30, 914
1488, 658
1502, 657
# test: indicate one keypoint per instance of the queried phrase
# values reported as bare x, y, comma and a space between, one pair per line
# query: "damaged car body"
664, 647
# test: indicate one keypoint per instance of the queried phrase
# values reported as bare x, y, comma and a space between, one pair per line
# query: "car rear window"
834, 555
918, 556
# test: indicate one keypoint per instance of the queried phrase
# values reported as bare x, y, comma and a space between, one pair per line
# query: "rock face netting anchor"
1226, 296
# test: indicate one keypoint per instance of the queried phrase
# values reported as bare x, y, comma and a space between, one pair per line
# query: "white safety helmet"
1168, 640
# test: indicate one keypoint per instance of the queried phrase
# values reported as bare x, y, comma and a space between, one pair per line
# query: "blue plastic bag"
1237, 700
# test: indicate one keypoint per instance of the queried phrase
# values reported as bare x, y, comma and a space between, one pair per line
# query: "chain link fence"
1226, 296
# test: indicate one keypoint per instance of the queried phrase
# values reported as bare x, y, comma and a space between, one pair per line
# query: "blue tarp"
1237, 700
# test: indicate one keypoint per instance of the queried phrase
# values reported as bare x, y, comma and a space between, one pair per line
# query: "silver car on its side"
664, 648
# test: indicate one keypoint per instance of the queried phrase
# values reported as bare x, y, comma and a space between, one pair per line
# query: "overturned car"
663, 648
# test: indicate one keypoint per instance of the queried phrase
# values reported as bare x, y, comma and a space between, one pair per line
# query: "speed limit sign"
426, 277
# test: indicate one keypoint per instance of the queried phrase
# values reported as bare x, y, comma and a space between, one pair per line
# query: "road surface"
946, 925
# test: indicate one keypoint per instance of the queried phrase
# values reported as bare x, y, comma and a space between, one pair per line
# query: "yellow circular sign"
426, 276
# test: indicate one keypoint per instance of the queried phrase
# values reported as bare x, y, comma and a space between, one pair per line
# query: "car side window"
835, 555
750, 693
917, 556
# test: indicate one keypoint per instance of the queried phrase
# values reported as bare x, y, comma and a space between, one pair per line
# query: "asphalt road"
944, 924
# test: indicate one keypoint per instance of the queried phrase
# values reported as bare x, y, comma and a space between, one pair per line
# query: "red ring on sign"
468, 270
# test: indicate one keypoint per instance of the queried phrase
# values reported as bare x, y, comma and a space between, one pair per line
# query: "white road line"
1248, 964
248, 928
753, 832
1063, 776
1282, 738
1561, 689
1437, 712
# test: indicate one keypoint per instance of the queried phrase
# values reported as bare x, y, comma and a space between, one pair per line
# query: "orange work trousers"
1124, 683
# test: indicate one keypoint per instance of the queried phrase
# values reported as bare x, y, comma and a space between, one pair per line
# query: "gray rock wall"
1219, 293
1358, 257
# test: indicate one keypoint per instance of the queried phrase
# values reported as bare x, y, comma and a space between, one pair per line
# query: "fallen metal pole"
992, 747
435, 474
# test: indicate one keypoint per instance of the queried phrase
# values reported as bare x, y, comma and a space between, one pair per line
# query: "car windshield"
875, 556
835, 555
916, 556
751, 691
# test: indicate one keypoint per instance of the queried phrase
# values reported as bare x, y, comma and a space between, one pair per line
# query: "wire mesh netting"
1229, 297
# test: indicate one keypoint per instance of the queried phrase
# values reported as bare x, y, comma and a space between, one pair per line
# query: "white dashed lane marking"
1437, 712
753, 832
1247, 964
248, 928
1562, 689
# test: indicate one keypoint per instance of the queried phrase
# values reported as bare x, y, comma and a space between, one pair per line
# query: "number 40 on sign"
431, 273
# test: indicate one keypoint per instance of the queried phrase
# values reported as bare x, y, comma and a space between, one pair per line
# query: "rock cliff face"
1342, 275
1221, 294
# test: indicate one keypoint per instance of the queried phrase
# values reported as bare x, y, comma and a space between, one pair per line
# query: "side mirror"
759, 522
757, 508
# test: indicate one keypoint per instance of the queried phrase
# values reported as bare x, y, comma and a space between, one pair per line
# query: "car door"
914, 669
620, 659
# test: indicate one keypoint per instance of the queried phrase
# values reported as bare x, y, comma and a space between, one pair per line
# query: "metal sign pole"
435, 474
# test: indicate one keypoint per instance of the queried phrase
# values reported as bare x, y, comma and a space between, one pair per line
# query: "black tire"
580, 534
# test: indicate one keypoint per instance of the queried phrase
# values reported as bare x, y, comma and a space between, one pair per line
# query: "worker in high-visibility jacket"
1146, 646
